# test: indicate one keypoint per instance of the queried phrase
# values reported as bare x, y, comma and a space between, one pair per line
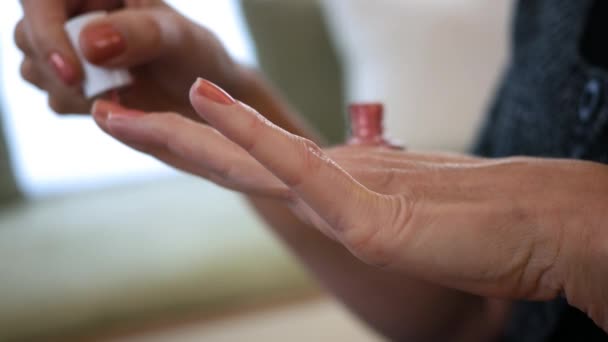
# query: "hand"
495, 228
163, 50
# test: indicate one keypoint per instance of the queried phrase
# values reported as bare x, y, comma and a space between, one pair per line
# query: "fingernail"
64, 70
214, 93
100, 110
124, 114
123, 125
101, 42
106, 110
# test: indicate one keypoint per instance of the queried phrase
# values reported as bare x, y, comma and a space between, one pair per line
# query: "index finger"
45, 27
298, 162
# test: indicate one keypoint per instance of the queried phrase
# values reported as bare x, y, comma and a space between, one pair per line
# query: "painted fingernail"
101, 42
100, 110
64, 70
124, 114
109, 110
214, 93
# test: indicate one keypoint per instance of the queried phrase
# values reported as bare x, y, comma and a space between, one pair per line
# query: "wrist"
543, 206
586, 271
576, 211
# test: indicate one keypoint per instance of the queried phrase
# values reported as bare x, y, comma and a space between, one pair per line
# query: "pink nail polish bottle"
366, 126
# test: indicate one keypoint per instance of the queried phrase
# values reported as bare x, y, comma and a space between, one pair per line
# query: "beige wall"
433, 62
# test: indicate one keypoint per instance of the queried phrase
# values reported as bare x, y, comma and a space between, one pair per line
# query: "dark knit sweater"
552, 103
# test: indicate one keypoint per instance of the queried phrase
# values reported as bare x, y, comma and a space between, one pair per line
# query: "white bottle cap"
97, 80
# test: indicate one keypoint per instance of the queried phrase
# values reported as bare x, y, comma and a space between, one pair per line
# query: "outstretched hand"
161, 48
480, 226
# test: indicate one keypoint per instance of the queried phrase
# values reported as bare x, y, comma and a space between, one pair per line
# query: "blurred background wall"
8, 185
296, 52
434, 63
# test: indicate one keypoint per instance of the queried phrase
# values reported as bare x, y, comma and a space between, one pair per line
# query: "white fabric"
97, 80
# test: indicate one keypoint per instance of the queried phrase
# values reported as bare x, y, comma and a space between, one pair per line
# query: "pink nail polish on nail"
106, 110
125, 114
62, 68
214, 93
366, 127
97, 80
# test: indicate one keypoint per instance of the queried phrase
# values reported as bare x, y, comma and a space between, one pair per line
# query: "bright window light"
53, 154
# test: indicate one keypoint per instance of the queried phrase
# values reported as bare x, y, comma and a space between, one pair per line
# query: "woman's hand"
162, 49
513, 228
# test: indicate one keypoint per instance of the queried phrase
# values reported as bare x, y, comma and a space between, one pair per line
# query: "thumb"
130, 36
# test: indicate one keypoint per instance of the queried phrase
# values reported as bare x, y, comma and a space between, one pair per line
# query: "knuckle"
291, 197
309, 158
368, 245
172, 124
378, 242
172, 120
181, 28
19, 36
159, 29
56, 105
60, 105
254, 132
402, 210
312, 156
183, 146
171, 16
225, 171
153, 27
400, 218
388, 178
26, 70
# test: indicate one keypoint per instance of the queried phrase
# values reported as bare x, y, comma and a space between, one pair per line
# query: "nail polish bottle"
97, 80
366, 126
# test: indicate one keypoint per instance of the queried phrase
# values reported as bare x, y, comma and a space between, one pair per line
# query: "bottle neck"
366, 121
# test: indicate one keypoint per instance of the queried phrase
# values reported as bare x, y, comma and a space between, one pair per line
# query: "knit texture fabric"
551, 103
